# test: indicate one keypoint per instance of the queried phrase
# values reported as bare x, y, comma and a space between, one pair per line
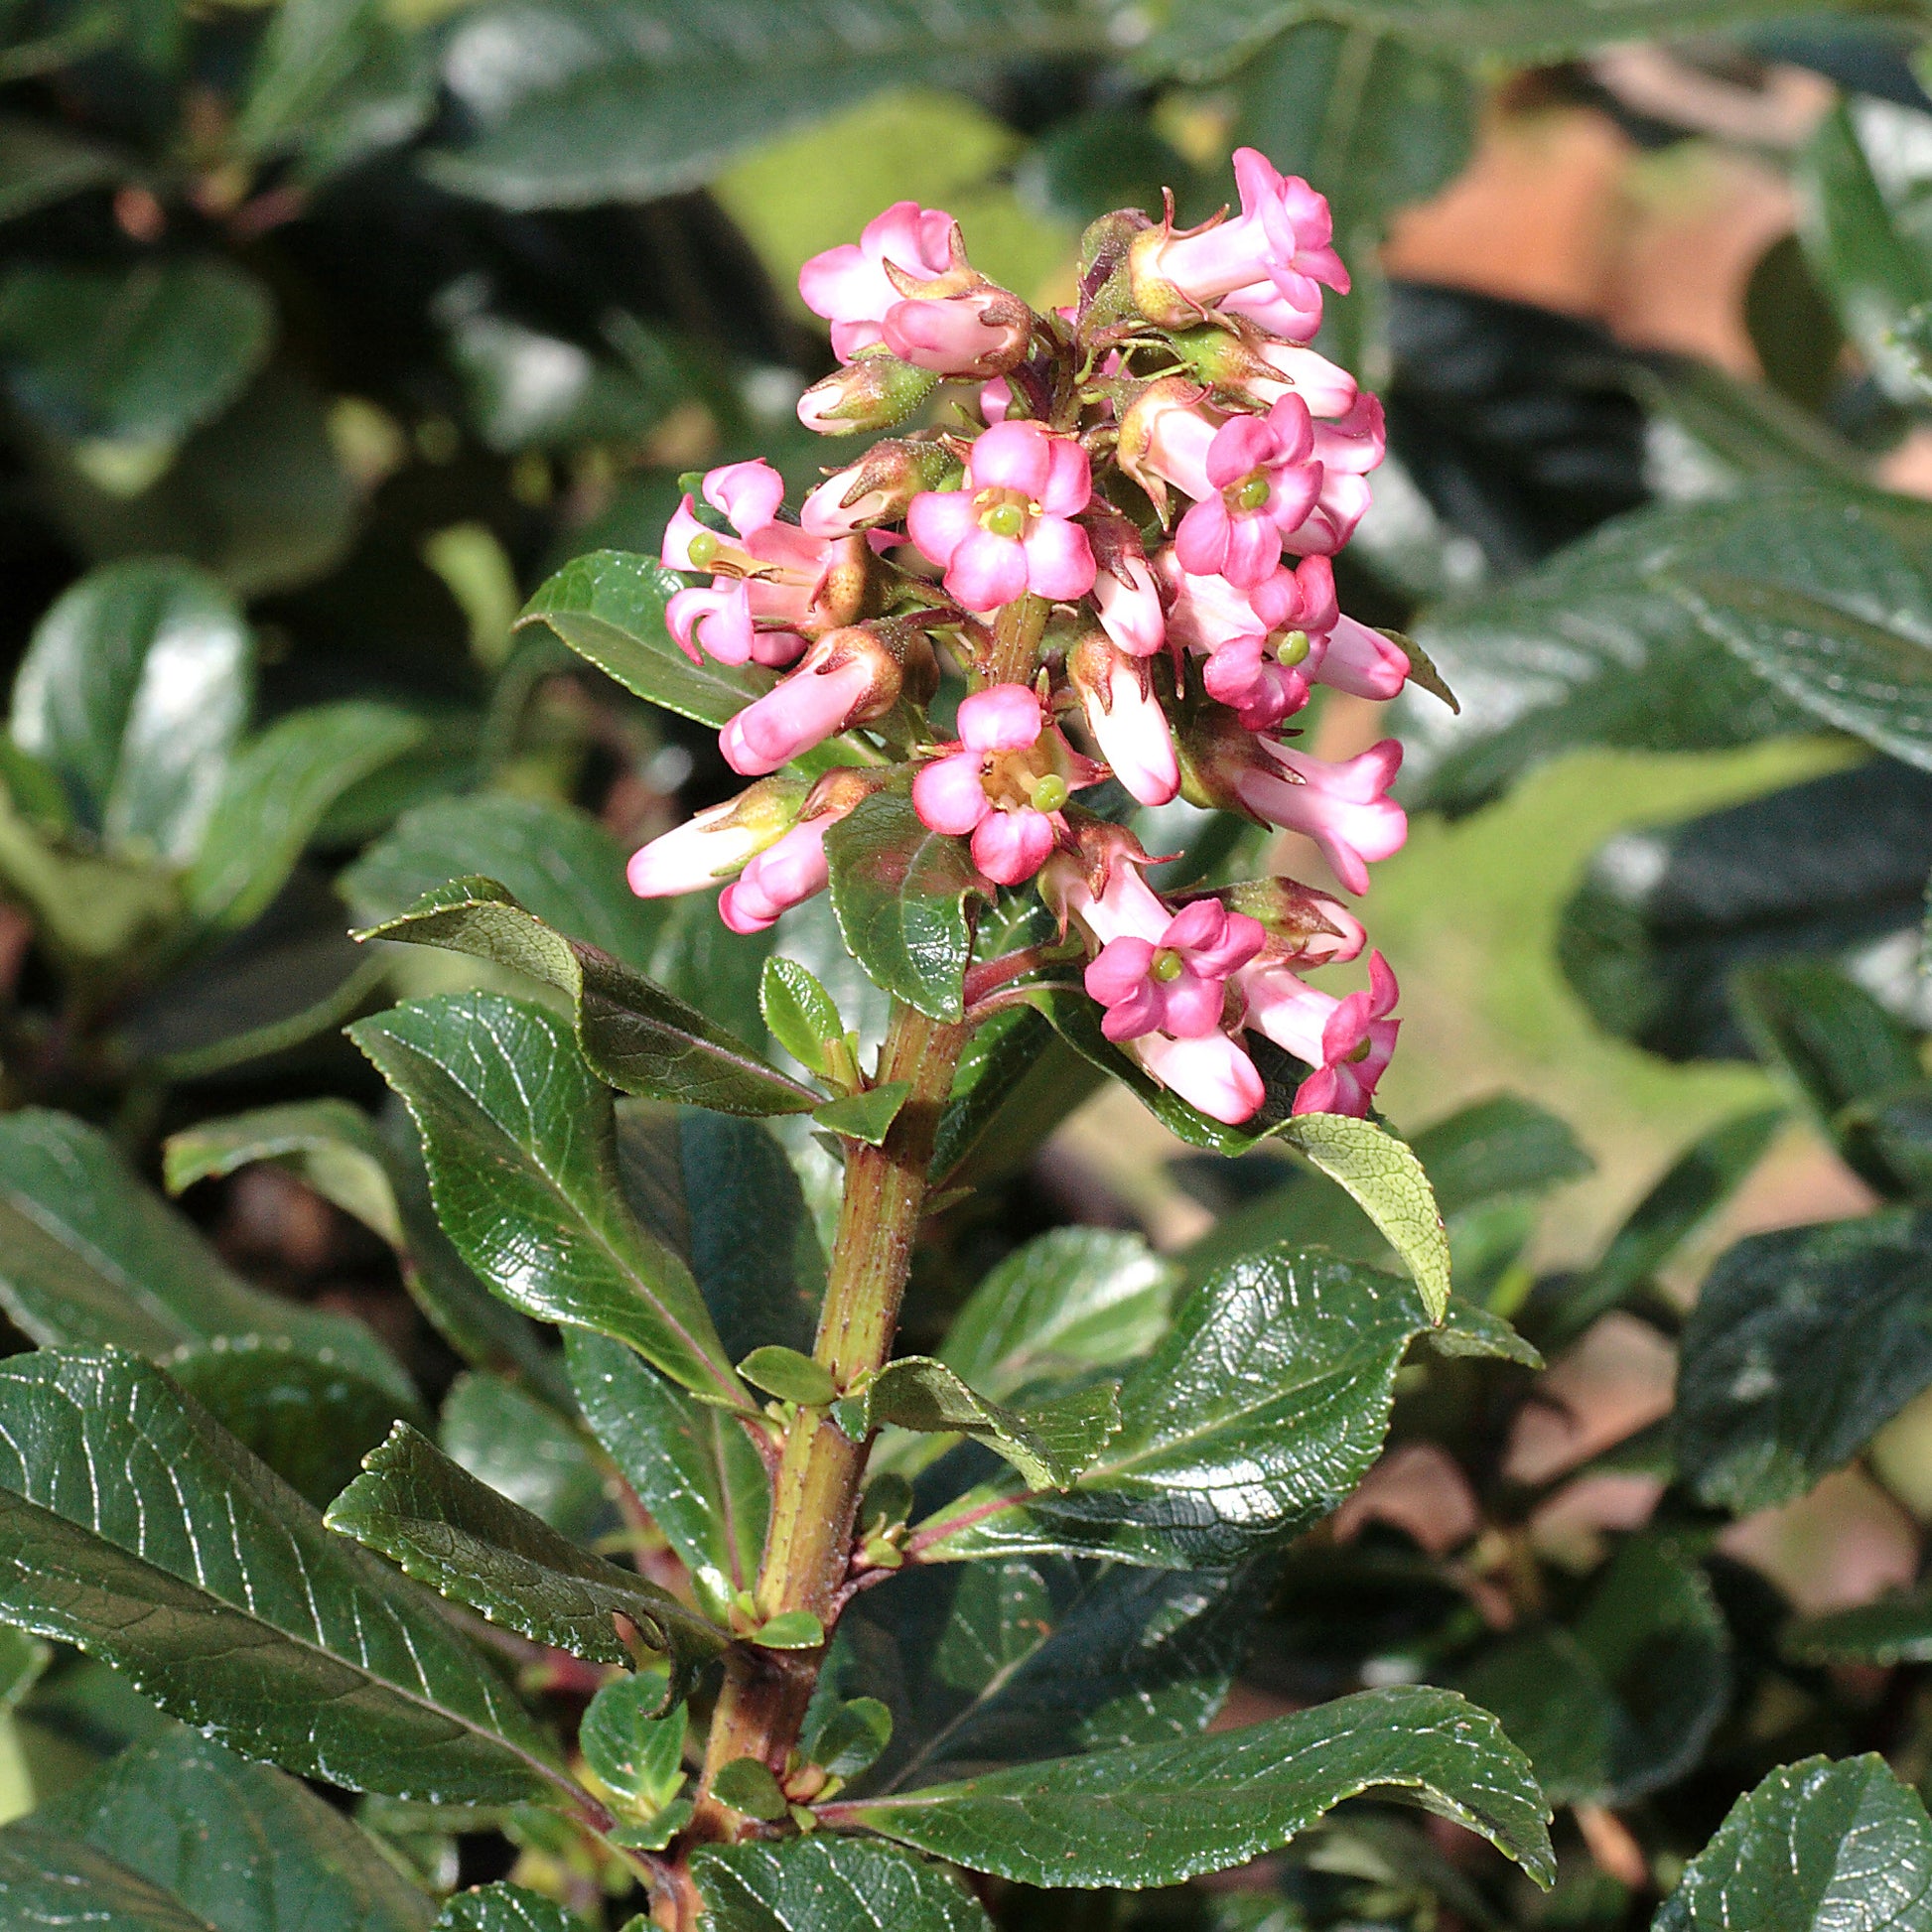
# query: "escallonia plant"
863, 1615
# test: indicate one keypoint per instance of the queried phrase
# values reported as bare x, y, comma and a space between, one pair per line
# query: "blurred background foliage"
330, 327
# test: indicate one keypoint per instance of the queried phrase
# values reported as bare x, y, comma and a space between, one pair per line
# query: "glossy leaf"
803, 1018
995, 1663
901, 892
132, 1525
49, 1880
1813, 1846
867, 1116
478, 1548
556, 860
634, 1034
1895, 1628
693, 1466
277, 793
829, 1884
246, 1848
521, 1149
524, 1449
1802, 1344
133, 356
1048, 1443
1260, 1410
1070, 1300
608, 607
1159, 1814
632, 1744
790, 1375
133, 692
505, 1909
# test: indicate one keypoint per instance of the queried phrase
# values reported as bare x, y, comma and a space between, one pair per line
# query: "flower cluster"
1120, 534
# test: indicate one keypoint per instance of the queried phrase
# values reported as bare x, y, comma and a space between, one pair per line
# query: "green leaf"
1071, 1300
608, 607
901, 895
476, 1548
1813, 1846
1159, 1814
1386, 1180
40, 164
748, 1786
505, 1909
803, 1018
1261, 1409
636, 1036
281, 1858
1802, 1344
1017, 1081
276, 793
1694, 1187
23, 1660
1895, 1628
133, 692
52, 1882
525, 1450
867, 1116
556, 860
1048, 1443
789, 1630
789, 1376
692, 1466
521, 1150
829, 1884
634, 1747
134, 1527
850, 1738
1840, 1051
1018, 1658
655, 99
135, 357
1874, 275
1624, 1703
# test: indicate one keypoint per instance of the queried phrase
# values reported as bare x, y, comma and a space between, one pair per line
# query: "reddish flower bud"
873, 391
719, 841
849, 677
879, 487
1125, 716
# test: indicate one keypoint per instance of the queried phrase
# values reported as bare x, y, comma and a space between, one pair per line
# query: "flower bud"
1126, 716
879, 487
1124, 588
1213, 1074
1165, 435
873, 391
1303, 926
1243, 359
979, 332
795, 868
851, 677
719, 841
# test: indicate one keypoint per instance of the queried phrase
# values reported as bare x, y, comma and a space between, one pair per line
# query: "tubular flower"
1176, 984
717, 842
1343, 807
1263, 480
1347, 1041
1004, 784
794, 869
1213, 1073
1007, 530
877, 490
1246, 362
907, 284
873, 391
851, 675
1266, 264
769, 590
1265, 646
1345, 452
1303, 927
1126, 718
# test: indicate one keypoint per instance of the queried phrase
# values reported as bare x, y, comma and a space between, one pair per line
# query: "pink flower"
717, 842
1008, 529
1265, 645
1121, 903
907, 284
1212, 1073
1327, 389
1266, 263
771, 586
786, 874
1347, 1041
1173, 985
1341, 808
1345, 452
1126, 718
1165, 437
1005, 784
848, 679
1263, 479
1361, 661
1129, 602
849, 285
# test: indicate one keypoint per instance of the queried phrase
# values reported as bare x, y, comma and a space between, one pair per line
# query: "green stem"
821, 1473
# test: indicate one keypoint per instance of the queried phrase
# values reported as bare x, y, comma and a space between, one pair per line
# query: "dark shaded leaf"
50, 1880
1892, 1629
829, 1884
1157, 1814
525, 1450
505, 1909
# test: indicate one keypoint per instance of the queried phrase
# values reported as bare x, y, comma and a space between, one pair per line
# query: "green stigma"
1361, 1053
1049, 794
1168, 966
1004, 520
701, 549
1292, 646
1251, 493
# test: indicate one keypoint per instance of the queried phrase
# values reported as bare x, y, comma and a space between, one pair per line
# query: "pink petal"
747, 492
1129, 1017
1011, 456
1190, 1006
1383, 989
950, 334
1059, 560
1292, 429
742, 919
716, 620
996, 398
1069, 483
987, 571
789, 873
1118, 968
1241, 938
803, 711
1202, 542
1292, 493
1009, 847
938, 521
1130, 613
1212, 1074
1317, 1094
910, 237
1362, 661
1242, 445
1254, 549
675, 552
776, 648
947, 793
1200, 923
1002, 718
